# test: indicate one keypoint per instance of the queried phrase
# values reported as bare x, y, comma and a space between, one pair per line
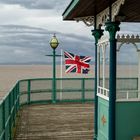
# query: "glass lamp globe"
54, 42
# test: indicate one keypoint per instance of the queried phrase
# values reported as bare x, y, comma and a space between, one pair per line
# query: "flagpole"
61, 74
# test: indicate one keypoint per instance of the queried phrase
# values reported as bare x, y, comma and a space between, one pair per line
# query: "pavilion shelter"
114, 119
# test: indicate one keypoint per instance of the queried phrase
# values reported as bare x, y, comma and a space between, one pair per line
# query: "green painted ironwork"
29, 91
36, 91
97, 33
73, 89
8, 110
54, 79
112, 28
83, 90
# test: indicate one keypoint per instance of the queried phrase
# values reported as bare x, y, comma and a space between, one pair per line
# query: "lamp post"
54, 43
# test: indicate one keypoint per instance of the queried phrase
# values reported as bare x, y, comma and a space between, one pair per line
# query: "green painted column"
97, 33
112, 28
54, 79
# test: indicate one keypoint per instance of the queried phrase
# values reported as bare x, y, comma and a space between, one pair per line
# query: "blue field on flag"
76, 64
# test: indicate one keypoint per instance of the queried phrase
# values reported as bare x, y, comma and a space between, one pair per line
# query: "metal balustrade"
9, 107
67, 89
40, 91
30, 91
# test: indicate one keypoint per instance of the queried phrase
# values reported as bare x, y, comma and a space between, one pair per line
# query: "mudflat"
9, 74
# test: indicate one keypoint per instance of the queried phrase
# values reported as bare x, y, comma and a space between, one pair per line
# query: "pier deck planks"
56, 122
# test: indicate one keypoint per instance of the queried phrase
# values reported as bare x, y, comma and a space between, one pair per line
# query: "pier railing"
67, 90
40, 91
9, 107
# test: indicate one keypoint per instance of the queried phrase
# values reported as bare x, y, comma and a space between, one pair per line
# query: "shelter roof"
82, 8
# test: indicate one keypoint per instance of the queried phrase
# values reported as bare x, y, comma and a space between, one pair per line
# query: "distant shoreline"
56, 64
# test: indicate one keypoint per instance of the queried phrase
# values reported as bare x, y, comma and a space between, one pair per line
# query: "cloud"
27, 26
30, 45
38, 4
45, 18
26, 44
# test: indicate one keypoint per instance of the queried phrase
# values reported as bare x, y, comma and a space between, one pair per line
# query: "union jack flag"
76, 64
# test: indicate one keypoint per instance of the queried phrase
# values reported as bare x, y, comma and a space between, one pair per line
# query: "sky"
26, 27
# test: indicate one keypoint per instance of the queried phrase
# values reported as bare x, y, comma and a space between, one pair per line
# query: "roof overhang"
81, 8
90, 8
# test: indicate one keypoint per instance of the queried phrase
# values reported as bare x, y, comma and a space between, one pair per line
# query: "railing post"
29, 92
9, 99
83, 89
15, 90
14, 109
18, 95
3, 119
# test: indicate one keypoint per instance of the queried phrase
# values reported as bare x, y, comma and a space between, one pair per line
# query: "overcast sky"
26, 27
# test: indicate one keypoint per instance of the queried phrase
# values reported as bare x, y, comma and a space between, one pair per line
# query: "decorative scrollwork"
103, 16
121, 40
89, 20
127, 39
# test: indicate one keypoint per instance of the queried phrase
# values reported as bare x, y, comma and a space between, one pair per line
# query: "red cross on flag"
76, 64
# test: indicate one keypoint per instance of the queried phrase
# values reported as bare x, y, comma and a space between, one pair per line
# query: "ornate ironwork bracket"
89, 20
103, 16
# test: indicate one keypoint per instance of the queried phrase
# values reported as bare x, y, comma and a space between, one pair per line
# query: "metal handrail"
11, 102
24, 90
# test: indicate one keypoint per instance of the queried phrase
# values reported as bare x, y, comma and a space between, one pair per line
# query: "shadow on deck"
55, 122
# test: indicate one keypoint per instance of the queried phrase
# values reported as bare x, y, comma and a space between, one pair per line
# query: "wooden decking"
56, 122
